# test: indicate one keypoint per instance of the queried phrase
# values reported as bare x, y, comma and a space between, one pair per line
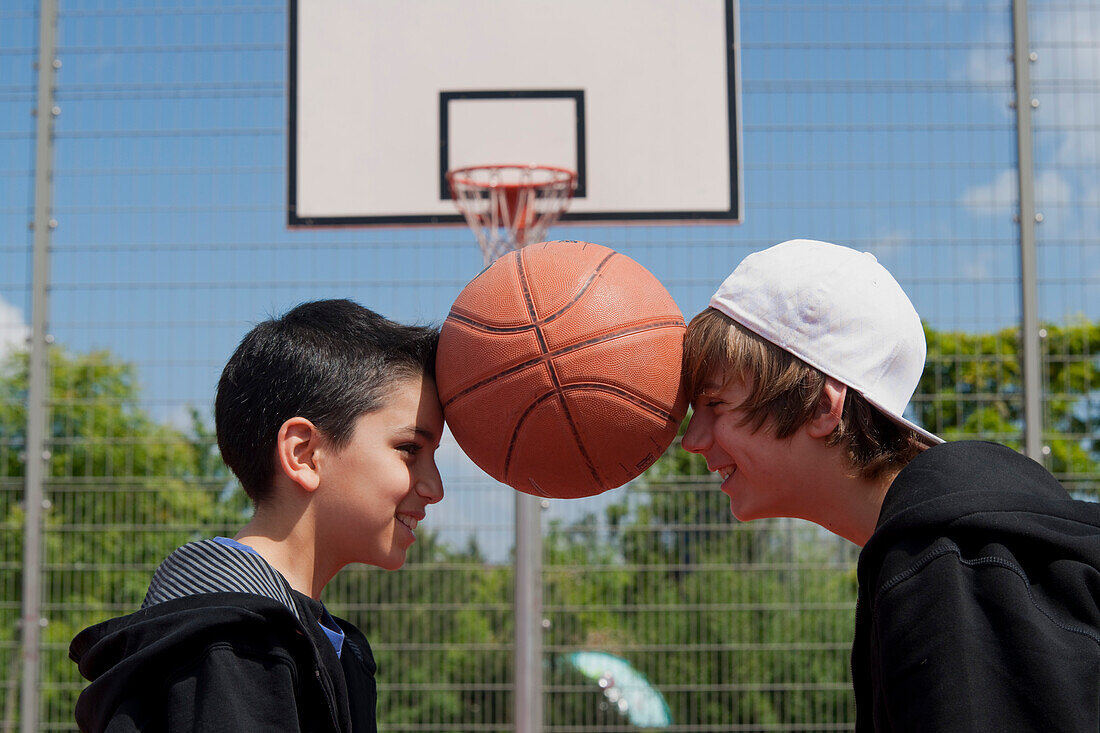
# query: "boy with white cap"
979, 578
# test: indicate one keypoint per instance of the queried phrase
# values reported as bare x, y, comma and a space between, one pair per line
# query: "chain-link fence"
891, 127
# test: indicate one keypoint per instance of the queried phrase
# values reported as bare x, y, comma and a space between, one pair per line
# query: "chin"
742, 516
746, 514
390, 563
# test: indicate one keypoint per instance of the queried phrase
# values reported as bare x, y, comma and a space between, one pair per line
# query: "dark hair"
328, 361
786, 391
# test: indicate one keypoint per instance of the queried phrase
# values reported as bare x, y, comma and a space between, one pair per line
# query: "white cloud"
891, 249
996, 197
1067, 51
1000, 196
14, 330
980, 265
1091, 197
1063, 38
987, 65
890, 243
1052, 190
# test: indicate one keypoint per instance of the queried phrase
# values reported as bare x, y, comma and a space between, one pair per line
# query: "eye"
707, 401
410, 448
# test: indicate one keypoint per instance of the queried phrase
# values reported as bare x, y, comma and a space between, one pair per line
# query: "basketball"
559, 369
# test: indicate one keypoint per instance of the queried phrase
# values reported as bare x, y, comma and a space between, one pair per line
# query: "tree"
756, 622
972, 387
440, 629
123, 491
737, 624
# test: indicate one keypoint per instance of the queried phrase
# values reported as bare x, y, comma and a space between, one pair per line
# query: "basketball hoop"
510, 206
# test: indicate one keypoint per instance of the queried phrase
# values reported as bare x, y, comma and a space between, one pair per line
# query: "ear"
830, 409
296, 450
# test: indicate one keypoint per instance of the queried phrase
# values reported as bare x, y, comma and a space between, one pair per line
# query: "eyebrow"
425, 433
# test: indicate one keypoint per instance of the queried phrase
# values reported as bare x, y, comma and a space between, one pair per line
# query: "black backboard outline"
732, 214
580, 166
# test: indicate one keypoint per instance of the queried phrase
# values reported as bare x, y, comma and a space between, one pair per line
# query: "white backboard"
639, 97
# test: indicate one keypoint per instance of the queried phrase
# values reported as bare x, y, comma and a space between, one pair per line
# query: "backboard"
639, 97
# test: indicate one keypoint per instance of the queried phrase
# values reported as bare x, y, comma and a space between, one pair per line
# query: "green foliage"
751, 624
735, 623
440, 629
744, 625
972, 387
122, 492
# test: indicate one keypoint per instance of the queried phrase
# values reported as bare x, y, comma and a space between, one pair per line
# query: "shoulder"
951, 480
226, 652
971, 465
972, 498
182, 625
971, 513
175, 633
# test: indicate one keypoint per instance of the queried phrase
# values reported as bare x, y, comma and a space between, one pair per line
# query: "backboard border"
732, 215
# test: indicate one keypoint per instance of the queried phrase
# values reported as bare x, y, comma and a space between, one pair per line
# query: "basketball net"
510, 206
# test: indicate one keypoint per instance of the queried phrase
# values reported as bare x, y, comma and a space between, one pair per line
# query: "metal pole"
528, 608
1028, 217
38, 376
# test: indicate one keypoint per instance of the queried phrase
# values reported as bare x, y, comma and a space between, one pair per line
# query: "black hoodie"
979, 600
210, 660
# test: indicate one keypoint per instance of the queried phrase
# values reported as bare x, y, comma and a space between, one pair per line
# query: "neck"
855, 510
287, 540
838, 497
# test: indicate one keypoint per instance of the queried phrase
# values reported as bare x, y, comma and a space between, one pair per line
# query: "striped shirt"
209, 566
222, 565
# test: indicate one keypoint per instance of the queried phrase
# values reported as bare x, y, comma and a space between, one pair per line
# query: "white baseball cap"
838, 310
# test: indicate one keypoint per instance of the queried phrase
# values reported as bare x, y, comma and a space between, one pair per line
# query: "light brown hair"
785, 392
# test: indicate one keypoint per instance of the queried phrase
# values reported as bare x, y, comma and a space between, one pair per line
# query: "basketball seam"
523, 418
529, 302
656, 410
546, 356
535, 322
485, 327
583, 289
594, 386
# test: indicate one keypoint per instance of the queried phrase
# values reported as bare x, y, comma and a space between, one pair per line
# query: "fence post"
37, 457
528, 615
1028, 217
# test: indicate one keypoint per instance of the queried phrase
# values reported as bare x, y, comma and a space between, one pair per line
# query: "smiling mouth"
408, 521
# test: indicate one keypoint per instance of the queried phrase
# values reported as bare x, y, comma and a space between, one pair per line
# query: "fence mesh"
885, 126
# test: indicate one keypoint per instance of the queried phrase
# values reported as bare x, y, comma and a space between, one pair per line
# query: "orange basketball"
559, 369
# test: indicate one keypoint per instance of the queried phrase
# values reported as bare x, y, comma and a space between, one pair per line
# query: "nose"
429, 485
697, 437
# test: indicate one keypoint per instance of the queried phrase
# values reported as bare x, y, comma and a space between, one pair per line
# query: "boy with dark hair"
329, 417
979, 578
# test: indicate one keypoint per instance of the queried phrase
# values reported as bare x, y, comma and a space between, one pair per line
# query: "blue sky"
884, 126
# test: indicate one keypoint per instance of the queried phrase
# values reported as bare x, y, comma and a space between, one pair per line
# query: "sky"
885, 126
